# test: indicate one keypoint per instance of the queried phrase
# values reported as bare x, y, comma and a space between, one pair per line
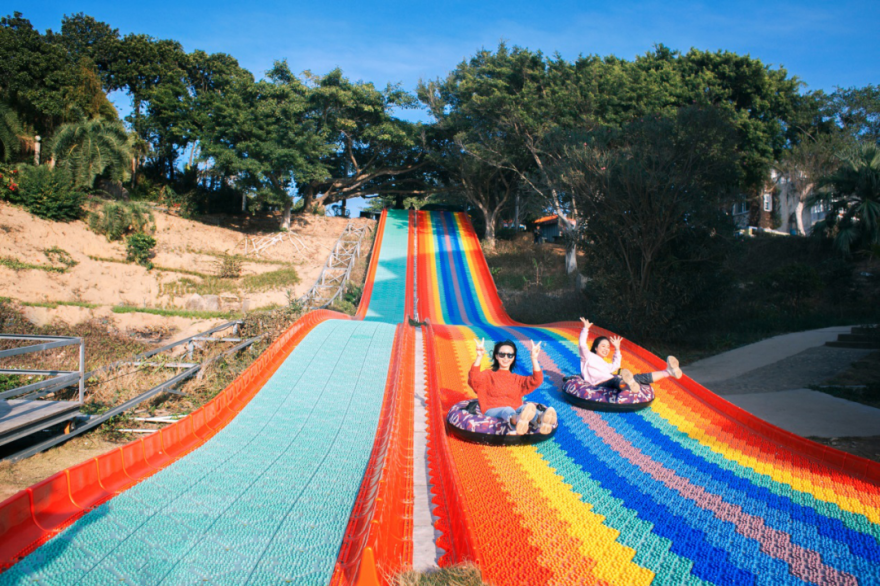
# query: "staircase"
865, 337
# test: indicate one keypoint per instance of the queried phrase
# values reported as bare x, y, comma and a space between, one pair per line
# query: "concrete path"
764, 353
769, 380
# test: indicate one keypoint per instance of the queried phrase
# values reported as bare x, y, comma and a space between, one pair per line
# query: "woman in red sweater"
500, 392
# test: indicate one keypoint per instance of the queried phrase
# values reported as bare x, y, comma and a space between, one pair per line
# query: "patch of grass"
463, 575
211, 285
54, 304
285, 277
155, 267
518, 265
17, 265
60, 256
242, 258
175, 312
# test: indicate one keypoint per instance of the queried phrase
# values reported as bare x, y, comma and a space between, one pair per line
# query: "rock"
211, 303
245, 305
194, 302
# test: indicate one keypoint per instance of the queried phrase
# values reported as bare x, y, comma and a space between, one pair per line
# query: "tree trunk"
308, 197
490, 227
799, 215
285, 222
516, 212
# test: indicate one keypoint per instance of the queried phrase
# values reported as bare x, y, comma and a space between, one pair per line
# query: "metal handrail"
345, 257
59, 378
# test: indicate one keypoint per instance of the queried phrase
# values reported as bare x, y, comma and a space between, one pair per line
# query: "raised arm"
582, 340
618, 357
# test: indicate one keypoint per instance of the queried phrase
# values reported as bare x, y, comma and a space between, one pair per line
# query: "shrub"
115, 220
48, 194
505, 234
8, 182
228, 267
139, 248
792, 284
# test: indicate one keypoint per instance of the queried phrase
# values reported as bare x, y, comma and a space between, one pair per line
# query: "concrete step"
869, 345
866, 331
857, 338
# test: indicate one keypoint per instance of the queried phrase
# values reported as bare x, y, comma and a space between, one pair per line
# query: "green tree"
652, 197
853, 195
10, 133
153, 72
369, 151
46, 84
92, 149
261, 136
501, 107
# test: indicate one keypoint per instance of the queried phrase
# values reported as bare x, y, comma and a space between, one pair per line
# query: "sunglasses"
505, 354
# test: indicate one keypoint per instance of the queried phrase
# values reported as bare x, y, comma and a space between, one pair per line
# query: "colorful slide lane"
690, 491
267, 499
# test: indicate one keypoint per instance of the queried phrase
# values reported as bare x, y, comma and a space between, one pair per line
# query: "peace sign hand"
481, 347
535, 349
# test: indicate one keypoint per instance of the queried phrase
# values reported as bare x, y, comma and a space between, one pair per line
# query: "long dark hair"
596, 343
495, 351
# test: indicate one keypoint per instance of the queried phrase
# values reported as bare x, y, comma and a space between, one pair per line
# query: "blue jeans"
506, 413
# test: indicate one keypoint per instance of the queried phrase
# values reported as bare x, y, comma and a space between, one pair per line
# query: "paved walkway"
769, 379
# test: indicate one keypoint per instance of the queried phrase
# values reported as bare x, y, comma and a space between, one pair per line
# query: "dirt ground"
181, 244
15, 477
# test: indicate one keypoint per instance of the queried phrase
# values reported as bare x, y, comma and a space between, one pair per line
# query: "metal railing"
58, 380
337, 269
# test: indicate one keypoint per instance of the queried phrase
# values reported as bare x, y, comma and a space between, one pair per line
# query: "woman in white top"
597, 372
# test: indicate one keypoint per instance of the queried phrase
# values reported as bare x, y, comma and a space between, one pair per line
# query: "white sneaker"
672, 367
522, 424
548, 421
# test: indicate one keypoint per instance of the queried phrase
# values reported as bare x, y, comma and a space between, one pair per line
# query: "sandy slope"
182, 244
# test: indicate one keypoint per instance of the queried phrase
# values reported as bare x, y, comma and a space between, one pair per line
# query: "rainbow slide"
302, 470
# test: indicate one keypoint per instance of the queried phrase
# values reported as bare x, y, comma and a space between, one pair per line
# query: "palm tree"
92, 149
10, 130
854, 194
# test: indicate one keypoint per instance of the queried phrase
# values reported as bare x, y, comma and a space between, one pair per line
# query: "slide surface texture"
268, 498
689, 491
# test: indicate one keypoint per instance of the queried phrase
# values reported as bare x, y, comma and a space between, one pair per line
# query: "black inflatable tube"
605, 406
498, 440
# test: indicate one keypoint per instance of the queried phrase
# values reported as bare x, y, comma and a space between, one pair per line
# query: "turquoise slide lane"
266, 500
389, 286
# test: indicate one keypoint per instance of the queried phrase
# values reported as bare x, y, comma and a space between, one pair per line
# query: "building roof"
547, 219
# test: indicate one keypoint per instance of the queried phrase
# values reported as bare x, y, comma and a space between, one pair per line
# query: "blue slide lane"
388, 300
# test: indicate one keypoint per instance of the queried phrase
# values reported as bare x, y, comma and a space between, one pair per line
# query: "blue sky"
824, 44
